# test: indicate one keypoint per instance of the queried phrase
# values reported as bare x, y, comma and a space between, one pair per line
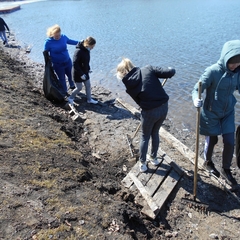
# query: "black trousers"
228, 148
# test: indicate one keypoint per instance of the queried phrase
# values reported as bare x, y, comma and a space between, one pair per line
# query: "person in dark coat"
3, 27
145, 88
81, 69
220, 81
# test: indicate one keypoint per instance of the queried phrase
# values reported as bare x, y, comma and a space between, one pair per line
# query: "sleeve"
46, 46
6, 25
164, 72
71, 42
206, 80
76, 61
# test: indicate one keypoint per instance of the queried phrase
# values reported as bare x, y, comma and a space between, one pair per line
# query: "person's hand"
84, 77
198, 102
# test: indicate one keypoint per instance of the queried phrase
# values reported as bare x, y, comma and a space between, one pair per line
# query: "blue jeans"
151, 121
63, 69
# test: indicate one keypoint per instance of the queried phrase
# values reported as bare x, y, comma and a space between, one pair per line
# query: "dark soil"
61, 179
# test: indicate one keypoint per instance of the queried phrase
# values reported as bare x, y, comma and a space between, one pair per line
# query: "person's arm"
206, 80
164, 72
71, 42
46, 46
76, 61
6, 25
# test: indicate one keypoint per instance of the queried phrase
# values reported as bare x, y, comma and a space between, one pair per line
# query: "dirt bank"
61, 179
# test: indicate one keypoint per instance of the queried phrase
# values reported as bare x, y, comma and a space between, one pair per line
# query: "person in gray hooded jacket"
220, 80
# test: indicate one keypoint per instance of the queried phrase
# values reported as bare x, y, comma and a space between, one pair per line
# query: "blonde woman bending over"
143, 85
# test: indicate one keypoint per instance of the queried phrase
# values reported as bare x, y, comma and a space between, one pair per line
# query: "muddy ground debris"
61, 179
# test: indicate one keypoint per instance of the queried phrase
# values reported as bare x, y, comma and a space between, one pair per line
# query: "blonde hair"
89, 41
52, 30
124, 67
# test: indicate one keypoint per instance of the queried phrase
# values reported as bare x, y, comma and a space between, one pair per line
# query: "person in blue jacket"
56, 45
220, 80
145, 88
3, 27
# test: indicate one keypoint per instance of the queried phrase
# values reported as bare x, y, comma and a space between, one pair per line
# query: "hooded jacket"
217, 114
81, 60
143, 85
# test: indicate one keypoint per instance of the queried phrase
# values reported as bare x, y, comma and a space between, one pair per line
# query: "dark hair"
89, 41
235, 59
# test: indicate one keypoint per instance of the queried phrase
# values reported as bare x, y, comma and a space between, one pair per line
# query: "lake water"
185, 34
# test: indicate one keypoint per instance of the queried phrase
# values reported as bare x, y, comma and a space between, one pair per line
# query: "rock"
213, 236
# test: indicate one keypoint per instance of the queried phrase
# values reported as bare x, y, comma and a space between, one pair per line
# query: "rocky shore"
61, 179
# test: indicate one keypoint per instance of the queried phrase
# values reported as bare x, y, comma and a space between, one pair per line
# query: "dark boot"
209, 165
230, 179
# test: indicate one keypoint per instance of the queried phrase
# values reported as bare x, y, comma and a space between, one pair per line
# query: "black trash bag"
238, 146
52, 87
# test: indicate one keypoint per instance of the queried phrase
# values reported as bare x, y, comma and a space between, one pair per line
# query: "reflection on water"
187, 35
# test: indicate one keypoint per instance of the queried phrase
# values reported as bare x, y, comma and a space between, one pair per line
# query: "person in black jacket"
81, 69
145, 88
3, 27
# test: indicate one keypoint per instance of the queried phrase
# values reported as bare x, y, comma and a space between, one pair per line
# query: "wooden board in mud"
155, 185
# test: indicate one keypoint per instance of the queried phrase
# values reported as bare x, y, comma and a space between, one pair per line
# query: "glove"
84, 77
198, 102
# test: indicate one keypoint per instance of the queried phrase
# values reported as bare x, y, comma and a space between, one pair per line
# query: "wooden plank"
171, 162
176, 168
144, 193
162, 194
127, 181
157, 178
148, 212
166, 188
144, 177
132, 109
184, 150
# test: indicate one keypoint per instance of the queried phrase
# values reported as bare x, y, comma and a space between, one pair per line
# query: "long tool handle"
197, 143
134, 135
165, 80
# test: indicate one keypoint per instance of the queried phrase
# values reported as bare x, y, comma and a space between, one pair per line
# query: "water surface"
187, 35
